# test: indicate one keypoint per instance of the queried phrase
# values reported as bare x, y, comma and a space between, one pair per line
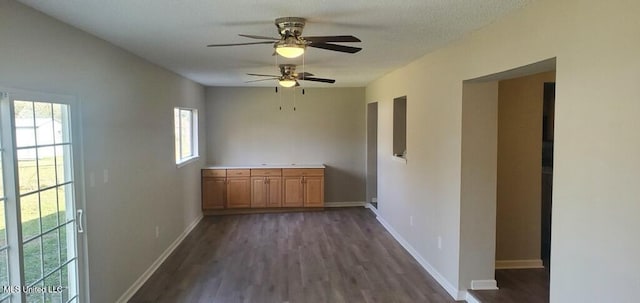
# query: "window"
400, 127
186, 134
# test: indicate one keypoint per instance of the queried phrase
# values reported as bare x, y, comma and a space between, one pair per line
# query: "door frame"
372, 154
77, 152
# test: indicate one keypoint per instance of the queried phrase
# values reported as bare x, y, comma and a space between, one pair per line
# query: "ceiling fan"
292, 44
289, 78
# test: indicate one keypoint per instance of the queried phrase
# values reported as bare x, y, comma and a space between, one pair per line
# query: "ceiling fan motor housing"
290, 26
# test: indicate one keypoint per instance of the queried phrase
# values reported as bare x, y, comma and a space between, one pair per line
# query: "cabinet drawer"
238, 172
303, 172
266, 172
214, 172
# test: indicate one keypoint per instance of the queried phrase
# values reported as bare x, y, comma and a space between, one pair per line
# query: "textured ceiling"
173, 33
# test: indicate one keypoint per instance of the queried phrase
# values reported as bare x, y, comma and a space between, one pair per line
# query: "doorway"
40, 199
548, 117
494, 234
372, 154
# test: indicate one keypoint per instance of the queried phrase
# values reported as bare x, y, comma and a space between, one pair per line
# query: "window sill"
186, 161
399, 159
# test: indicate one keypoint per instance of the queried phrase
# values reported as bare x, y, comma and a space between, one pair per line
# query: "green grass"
40, 213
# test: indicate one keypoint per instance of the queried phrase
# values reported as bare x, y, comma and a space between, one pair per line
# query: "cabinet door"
258, 192
274, 198
213, 193
239, 192
313, 191
293, 191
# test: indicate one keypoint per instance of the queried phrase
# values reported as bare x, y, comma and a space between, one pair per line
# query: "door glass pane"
27, 170
49, 209
32, 254
1, 181
51, 249
4, 271
35, 297
63, 163
53, 281
46, 167
63, 231
65, 196
30, 215
61, 123
43, 123
3, 231
25, 125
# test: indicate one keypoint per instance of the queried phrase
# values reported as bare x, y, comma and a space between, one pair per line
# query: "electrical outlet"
411, 220
439, 242
157, 231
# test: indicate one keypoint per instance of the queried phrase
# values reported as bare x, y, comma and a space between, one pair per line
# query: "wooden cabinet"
262, 188
313, 191
293, 191
214, 188
225, 188
238, 188
303, 187
214, 191
266, 188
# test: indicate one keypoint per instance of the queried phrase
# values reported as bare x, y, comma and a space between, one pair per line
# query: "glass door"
42, 216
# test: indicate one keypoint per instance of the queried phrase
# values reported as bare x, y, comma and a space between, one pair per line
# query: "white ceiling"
174, 33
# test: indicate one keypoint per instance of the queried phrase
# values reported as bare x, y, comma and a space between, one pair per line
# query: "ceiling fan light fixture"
290, 48
287, 82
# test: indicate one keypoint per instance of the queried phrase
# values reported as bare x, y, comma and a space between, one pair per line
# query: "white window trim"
195, 146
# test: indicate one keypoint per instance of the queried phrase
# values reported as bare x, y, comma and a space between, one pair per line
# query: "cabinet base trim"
345, 204
242, 211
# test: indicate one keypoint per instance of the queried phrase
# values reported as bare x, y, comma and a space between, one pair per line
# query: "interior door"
42, 199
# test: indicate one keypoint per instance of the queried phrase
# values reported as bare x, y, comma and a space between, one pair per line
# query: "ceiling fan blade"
319, 80
304, 75
337, 48
259, 37
263, 75
236, 44
332, 39
270, 79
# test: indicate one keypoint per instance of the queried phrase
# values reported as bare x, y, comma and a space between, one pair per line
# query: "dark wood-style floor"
339, 255
518, 286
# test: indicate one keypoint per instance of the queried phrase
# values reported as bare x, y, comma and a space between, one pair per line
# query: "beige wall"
520, 167
127, 125
478, 183
246, 126
595, 168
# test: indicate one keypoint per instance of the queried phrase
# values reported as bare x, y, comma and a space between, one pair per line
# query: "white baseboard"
373, 209
518, 264
456, 294
345, 204
471, 299
156, 264
484, 284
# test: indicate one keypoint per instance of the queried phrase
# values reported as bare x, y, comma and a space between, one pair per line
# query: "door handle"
79, 215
